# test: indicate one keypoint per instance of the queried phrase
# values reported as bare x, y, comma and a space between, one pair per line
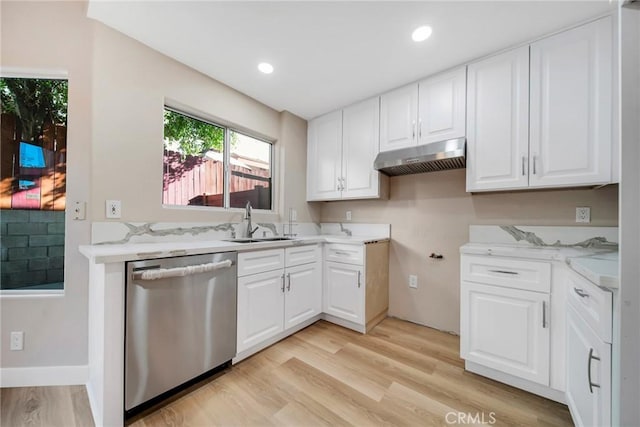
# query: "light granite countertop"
102, 254
601, 269
544, 253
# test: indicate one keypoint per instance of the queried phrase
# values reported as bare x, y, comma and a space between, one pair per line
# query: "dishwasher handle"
164, 273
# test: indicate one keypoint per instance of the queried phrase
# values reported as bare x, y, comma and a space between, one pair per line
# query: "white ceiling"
330, 54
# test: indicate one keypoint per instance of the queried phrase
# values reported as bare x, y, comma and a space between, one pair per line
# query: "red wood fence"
22, 187
193, 180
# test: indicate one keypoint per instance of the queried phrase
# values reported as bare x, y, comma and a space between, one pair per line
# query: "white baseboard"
282, 335
531, 387
345, 323
44, 376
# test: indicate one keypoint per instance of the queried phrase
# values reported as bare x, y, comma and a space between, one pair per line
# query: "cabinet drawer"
347, 254
260, 261
506, 272
302, 255
594, 304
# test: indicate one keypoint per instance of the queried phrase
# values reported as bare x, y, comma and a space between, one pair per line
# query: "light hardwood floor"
400, 374
45, 406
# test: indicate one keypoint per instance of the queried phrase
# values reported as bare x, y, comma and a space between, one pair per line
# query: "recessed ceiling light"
265, 67
421, 33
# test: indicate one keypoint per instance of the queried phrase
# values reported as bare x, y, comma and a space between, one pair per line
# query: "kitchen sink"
258, 240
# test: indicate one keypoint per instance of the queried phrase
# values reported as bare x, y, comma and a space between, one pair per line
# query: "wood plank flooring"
400, 374
45, 406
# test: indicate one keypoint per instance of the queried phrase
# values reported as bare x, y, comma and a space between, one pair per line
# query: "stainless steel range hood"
432, 157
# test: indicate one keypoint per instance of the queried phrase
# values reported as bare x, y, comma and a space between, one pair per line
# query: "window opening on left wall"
33, 169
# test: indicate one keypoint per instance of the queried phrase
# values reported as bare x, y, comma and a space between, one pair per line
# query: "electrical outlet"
348, 215
583, 214
79, 210
294, 215
114, 209
413, 281
17, 340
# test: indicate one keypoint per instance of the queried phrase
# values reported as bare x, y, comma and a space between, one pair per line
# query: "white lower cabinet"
506, 330
356, 284
303, 295
512, 321
260, 308
588, 374
344, 291
589, 367
271, 302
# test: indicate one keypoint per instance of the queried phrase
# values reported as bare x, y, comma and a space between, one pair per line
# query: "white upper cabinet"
324, 157
341, 149
430, 111
361, 138
442, 106
498, 122
549, 125
571, 105
398, 118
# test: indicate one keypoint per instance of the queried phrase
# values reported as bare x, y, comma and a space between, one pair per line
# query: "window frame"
226, 155
43, 74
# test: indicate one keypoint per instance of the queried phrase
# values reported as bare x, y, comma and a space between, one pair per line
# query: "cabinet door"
498, 122
442, 107
303, 295
398, 118
588, 358
324, 157
260, 308
344, 291
571, 107
506, 330
360, 146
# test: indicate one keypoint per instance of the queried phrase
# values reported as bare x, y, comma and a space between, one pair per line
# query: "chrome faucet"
247, 217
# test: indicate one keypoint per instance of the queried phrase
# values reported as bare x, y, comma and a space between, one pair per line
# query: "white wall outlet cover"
113, 209
294, 215
348, 215
413, 281
17, 340
583, 214
79, 210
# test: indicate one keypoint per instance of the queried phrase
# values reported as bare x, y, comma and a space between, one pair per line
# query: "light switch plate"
114, 209
583, 214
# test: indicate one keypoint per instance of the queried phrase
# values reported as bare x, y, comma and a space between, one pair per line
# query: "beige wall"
54, 36
432, 213
131, 84
117, 90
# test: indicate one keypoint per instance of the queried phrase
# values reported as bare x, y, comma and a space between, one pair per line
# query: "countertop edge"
106, 254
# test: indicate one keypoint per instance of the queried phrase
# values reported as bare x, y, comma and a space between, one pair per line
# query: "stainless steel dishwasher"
180, 324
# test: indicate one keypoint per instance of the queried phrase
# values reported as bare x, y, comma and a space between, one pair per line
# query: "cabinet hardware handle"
420, 129
341, 253
535, 161
544, 314
413, 127
591, 357
289, 282
504, 272
581, 293
282, 278
524, 159
359, 278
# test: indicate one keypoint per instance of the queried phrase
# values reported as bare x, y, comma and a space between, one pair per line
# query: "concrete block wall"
32, 249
